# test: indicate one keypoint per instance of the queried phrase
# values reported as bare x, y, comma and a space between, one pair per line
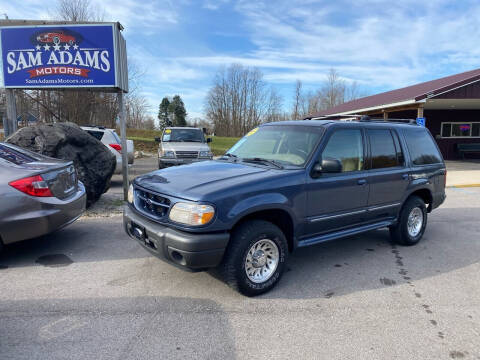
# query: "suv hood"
185, 146
195, 181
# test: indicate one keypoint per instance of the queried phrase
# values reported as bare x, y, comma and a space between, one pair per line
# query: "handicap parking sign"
421, 121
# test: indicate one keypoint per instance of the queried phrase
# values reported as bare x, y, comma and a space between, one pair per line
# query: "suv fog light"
191, 214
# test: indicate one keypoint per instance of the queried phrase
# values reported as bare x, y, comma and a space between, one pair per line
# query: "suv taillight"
117, 147
33, 185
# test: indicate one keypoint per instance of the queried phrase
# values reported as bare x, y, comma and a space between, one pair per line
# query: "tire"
413, 208
254, 246
160, 165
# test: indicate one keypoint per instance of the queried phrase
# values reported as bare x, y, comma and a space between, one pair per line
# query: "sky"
382, 45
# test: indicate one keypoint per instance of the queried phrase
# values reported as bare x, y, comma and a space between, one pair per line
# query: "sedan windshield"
283, 144
183, 135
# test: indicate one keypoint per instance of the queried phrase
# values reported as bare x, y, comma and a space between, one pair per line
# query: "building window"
460, 130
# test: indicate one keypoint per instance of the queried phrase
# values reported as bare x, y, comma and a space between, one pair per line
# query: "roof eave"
373, 108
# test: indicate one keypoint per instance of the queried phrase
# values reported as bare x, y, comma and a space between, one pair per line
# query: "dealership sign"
63, 56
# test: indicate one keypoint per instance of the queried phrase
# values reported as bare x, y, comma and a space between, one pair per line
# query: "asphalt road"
89, 292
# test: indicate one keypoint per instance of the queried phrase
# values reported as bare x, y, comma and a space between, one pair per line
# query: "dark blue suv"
286, 185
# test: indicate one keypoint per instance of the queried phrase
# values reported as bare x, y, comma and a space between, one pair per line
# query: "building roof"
404, 96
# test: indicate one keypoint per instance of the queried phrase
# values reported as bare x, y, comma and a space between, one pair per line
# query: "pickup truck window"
346, 146
288, 145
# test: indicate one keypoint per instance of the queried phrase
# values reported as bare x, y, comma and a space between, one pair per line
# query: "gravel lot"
89, 292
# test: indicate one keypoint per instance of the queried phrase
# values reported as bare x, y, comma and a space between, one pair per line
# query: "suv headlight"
191, 214
205, 154
167, 154
130, 194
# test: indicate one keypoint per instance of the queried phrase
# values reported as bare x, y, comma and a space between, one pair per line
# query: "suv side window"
346, 145
421, 147
383, 151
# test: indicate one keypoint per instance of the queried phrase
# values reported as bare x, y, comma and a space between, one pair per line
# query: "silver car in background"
111, 140
182, 145
38, 194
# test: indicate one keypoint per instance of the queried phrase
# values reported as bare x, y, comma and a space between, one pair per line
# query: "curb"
463, 186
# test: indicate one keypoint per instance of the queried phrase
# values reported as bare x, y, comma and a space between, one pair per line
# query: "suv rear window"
96, 134
422, 149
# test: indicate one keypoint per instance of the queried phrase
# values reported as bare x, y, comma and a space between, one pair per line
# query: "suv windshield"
284, 144
185, 135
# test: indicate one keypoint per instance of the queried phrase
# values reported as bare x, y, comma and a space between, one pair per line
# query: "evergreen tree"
163, 112
177, 108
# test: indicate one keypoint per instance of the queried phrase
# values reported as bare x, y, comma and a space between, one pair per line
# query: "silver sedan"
38, 194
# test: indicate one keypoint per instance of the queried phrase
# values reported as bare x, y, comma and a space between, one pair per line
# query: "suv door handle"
361, 181
405, 176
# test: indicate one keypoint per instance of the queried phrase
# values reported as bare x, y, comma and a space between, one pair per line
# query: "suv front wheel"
255, 258
411, 223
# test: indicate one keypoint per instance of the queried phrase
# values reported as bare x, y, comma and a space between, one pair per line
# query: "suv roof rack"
365, 118
96, 126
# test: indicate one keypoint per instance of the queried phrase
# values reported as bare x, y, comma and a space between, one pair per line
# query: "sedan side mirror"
327, 165
209, 140
157, 139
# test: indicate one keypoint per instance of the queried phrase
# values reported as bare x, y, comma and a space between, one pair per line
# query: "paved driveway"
89, 292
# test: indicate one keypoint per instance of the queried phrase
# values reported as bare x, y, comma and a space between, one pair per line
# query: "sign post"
421, 121
123, 135
64, 55
11, 124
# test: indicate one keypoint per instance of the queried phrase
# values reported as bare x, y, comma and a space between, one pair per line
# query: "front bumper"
180, 161
187, 250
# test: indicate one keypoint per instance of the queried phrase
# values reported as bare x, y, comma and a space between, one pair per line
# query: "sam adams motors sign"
64, 56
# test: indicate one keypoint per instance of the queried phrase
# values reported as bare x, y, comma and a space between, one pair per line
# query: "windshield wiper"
263, 160
229, 155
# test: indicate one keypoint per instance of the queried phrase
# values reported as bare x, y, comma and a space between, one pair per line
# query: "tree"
177, 108
334, 91
297, 99
240, 100
78, 10
163, 113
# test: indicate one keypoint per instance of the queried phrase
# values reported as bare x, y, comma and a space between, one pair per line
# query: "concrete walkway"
463, 173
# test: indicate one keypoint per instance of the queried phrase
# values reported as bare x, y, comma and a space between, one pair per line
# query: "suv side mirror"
327, 165
157, 139
209, 140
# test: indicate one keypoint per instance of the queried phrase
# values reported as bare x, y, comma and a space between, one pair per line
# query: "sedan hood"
195, 181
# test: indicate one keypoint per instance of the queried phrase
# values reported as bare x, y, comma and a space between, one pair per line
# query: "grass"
144, 140
220, 144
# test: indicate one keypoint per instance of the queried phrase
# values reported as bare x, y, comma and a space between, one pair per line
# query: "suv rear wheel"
411, 223
255, 258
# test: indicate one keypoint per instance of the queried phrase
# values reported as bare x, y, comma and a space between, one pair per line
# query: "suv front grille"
187, 154
152, 205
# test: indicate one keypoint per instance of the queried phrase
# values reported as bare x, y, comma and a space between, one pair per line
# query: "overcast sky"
381, 44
